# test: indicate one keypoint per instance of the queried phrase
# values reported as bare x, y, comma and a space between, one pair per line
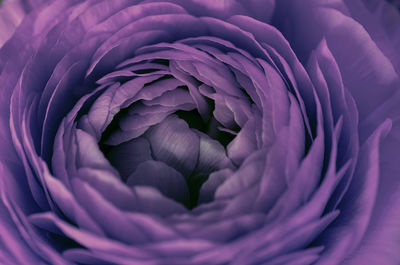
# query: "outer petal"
381, 243
11, 15
260, 9
366, 69
357, 206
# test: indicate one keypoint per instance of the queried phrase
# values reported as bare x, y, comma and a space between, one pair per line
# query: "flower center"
175, 156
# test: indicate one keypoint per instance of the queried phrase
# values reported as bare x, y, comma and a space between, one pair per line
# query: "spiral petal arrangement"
183, 132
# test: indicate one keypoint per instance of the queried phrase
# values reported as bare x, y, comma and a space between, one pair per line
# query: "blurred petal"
363, 65
11, 15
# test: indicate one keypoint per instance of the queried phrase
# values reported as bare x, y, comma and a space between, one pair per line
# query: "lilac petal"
241, 110
296, 138
162, 177
297, 80
59, 156
383, 230
64, 138
175, 144
210, 8
119, 137
135, 122
109, 186
177, 25
124, 48
44, 19
87, 239
242, 203
35, 25
65, 49
89, 154
202, 106
173, 98
331, 91
303, 178
262, 10
280, 101
11, 15
338, 99
116, 77
127, 156
222, 113
177, 51
209, 187
244, 143
172, 52
322, 90
127, 73
221, 49
272, 183
358, 203
267, 242
362, 64
206, 91
219, 77
300, 237
244, 178
100, 174
55, 109
280, 51
29, 234
33, 182
13, 177
156, 227
301, 257
110, 103
152, 201
284, 154
132, 12
141, 109
84, 256
66, 202
138, 19
12, 243
158, 88
390, 109
228, 229
253, 74
212, 156
379, 18
113, 221
179, 247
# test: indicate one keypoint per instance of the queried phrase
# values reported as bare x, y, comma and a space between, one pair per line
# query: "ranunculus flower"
200, 132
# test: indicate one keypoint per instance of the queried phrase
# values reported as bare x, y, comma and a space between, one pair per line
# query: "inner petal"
175, 144
166, 179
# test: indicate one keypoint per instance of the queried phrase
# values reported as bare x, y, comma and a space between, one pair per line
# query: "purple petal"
11, 15
175, 144
244, 143
162, 177
127, 156
209, 187
358, 203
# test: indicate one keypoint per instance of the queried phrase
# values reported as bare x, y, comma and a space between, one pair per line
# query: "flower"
200, 132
